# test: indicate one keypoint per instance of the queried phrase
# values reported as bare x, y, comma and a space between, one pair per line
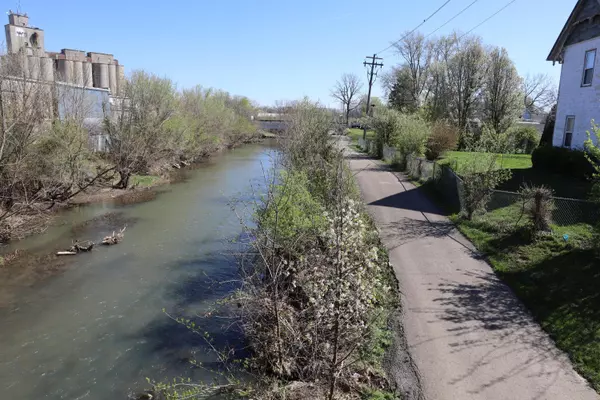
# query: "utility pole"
372, 74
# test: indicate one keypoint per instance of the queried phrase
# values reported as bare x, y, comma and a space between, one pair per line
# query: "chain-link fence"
449, 186
566, 211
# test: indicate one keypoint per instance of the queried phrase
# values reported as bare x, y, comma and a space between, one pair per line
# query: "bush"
538, 204
386, 125
444, 137
412, 136
481, 176
524, 138
407, 133
563, 161
291, 212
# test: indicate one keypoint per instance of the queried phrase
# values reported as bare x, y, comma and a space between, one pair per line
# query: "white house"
579, 92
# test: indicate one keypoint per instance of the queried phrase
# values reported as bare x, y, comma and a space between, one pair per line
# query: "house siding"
573, 99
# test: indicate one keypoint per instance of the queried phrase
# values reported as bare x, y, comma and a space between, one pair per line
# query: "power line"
452, 19
418, 26
488, 18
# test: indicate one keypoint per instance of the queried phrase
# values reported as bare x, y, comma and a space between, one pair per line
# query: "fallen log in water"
114, 238
77, 247
66, 253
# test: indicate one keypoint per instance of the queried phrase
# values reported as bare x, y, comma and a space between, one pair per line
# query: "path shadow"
359, 156
412, 199
486, 314
407, 230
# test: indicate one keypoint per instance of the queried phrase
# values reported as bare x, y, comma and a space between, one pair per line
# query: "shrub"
412, 135
538, 204
444, 137
524, 138
486, 141
563, 161
481, 176
291, 211
386, 125
407, 133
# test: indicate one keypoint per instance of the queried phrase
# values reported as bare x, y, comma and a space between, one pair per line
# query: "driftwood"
85, 246
77, 247
114, 238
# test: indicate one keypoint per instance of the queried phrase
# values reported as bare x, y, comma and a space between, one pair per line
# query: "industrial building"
90, 70
92, 81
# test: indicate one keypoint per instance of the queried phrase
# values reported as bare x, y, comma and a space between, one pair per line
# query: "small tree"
135, 127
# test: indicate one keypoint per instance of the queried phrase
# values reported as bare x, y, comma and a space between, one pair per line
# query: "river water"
93, 327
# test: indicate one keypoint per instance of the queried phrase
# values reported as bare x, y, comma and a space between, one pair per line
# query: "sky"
282, 50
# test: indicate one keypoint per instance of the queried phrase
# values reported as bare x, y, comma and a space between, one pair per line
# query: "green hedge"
563, 161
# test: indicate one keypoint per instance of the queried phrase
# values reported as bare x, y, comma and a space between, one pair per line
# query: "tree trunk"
124, 176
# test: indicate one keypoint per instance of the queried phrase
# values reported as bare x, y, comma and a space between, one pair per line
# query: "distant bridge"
272, 122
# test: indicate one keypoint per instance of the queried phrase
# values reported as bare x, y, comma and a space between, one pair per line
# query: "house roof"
556, 52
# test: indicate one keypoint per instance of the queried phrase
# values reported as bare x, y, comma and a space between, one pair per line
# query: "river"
92, 327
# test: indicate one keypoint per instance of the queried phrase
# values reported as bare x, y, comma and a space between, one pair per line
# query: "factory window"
34, 39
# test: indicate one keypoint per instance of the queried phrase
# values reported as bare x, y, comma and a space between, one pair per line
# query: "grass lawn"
457, 159
356, 133
557, 279
523, 172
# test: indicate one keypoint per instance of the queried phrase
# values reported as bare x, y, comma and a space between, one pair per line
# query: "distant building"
91, 70
576, 50
93, 80
535, 120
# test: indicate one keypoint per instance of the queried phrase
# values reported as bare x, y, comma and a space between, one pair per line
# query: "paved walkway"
467, 333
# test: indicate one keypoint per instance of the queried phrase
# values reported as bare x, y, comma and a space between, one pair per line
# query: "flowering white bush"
325, 301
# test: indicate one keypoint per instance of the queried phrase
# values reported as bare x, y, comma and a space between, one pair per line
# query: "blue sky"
281, 50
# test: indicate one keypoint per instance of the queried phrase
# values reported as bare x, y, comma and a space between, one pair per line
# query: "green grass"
557, 279
356, 133
457, 159
523, 172
144, 180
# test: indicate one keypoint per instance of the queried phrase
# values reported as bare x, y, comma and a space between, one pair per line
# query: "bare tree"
347, 91
539, 92
502, 95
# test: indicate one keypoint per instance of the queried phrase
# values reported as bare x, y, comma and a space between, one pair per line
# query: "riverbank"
22, 266
36, 218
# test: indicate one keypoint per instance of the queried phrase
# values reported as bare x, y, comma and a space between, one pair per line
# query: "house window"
569, 127
588, 68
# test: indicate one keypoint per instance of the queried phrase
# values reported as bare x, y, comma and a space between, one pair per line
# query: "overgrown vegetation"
45, 135
313, 303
